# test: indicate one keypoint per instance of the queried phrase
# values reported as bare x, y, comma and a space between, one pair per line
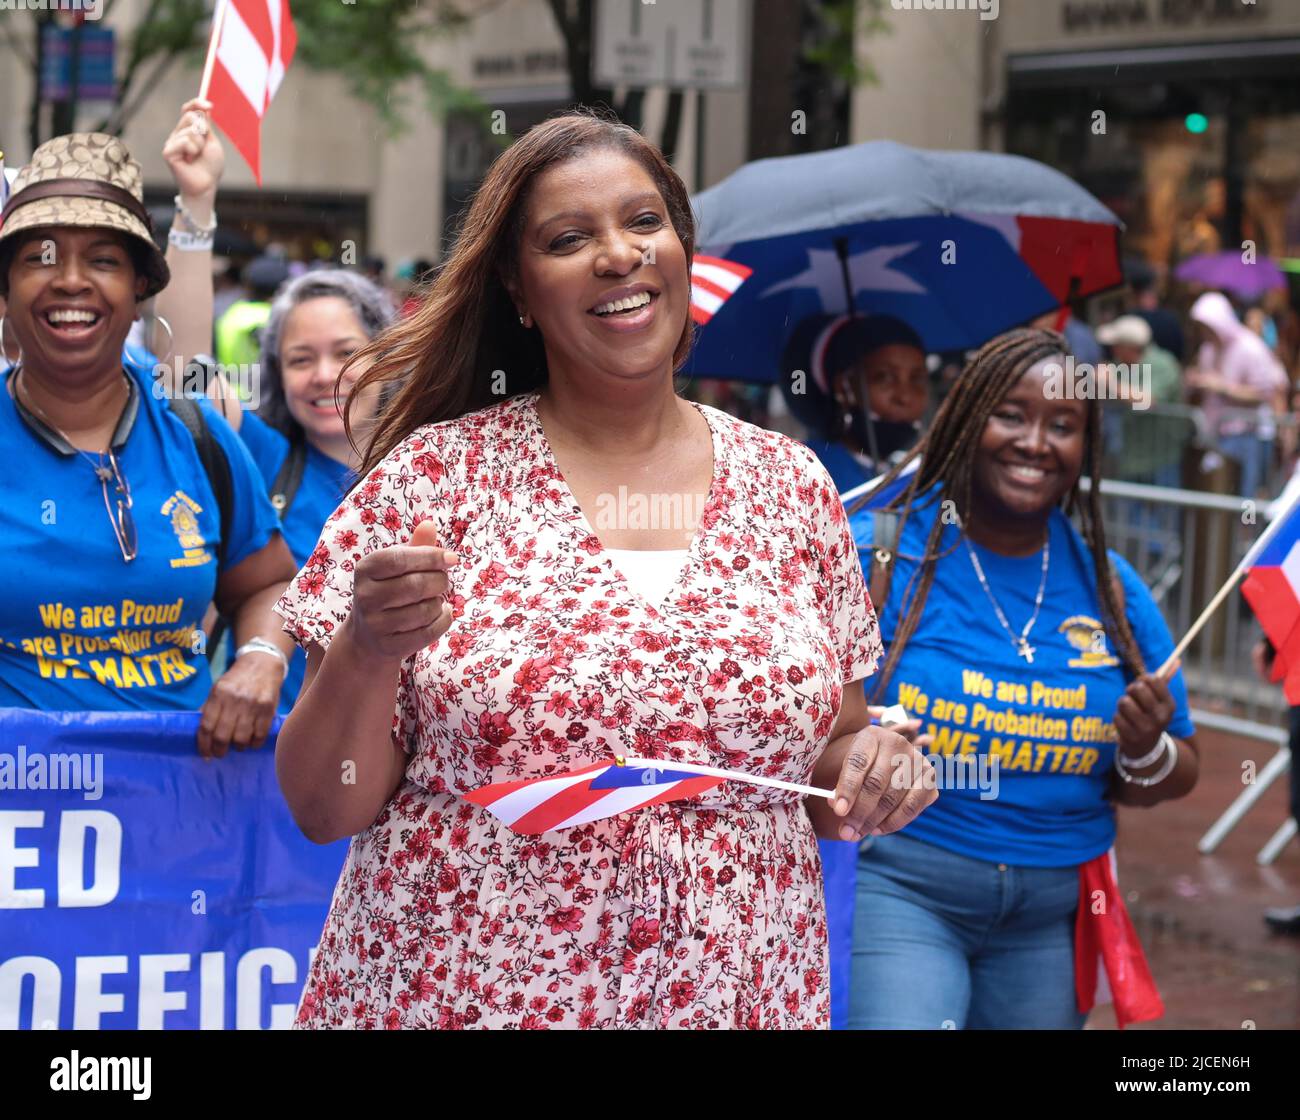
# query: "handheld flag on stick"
1273, 591
251, 46
1268, 590
535, 805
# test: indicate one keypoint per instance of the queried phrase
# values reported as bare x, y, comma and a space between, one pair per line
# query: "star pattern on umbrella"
869, 270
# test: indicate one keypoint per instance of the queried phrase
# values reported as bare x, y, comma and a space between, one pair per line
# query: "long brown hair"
947, 453
445, 354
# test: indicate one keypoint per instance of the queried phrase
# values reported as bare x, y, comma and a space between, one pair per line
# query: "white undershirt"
649, 572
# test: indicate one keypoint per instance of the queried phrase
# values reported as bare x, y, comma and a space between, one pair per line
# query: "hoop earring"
4, 354
171, 337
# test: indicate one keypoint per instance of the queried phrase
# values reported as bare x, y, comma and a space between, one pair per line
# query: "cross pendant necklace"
1019, 641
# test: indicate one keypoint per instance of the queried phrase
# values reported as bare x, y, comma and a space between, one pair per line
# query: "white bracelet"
190, 242
1170, 745
261, 645
1147, 759
187, 219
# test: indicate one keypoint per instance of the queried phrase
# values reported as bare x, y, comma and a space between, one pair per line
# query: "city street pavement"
1218, 966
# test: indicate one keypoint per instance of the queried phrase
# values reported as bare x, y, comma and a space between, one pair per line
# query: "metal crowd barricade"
1173, 445
1185, 544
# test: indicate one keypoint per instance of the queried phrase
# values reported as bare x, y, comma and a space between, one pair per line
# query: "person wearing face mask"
1028, 651
117, 536
865, 395
297, 436
486, 605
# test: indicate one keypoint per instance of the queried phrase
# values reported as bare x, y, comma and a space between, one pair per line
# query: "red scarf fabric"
1103, 930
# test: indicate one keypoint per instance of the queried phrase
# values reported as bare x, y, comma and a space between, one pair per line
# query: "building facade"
334, 177
1183, 116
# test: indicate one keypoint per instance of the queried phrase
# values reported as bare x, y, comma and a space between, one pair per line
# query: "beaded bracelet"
186, 219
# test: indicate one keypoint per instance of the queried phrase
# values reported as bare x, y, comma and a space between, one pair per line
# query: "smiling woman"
89, 439
297, 435
991, 599
471, 616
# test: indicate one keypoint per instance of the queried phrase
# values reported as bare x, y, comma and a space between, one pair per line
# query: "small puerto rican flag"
536, 805
713, 282
1272, 588
252, 44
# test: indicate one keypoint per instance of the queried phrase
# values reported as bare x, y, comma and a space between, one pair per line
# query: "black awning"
1214, 61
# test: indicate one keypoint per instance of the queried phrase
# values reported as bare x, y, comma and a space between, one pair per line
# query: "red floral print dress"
699, 913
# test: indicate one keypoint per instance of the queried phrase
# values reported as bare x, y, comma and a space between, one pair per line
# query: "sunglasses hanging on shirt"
106, 465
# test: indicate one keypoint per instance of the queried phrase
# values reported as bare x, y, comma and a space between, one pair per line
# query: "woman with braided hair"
1026, 651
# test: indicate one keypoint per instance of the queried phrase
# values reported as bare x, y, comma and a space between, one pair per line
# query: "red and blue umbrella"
960, 245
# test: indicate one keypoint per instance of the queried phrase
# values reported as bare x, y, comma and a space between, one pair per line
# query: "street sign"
686, 44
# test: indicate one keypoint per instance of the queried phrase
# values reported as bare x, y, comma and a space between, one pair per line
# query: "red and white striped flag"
535, 805
605, 789
252, 44
713, 282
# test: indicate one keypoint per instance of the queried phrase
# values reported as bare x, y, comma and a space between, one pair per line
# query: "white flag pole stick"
218, 20
1166, 670
1252, 554
730, 775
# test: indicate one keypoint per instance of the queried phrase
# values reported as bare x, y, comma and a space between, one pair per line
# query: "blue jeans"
941, 940
1254, 455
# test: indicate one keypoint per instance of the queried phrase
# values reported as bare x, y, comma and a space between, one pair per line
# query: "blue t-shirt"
846, 469
1046, 725
80, 628
325, 481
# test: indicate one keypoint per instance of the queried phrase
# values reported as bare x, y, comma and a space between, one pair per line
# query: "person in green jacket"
1151, 437
238, 331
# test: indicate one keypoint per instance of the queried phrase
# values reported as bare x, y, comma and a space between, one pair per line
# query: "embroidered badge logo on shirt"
181, 509
1087, 636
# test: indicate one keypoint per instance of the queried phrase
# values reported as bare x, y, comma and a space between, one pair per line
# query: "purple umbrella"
1228, 272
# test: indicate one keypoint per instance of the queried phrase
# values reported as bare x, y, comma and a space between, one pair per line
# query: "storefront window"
1191, 166
471, 146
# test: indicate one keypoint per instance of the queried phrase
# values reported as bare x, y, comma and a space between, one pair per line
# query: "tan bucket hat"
89, 180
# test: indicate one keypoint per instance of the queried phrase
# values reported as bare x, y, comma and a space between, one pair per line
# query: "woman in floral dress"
470, 618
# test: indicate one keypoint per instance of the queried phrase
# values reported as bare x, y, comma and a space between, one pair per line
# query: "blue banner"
144, 887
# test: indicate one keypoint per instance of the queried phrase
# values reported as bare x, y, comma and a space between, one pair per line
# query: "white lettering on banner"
90, 1001
13, 857
47, 985
164, 982
248, 988
212, 991
107, 877
155, 999
75, 827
